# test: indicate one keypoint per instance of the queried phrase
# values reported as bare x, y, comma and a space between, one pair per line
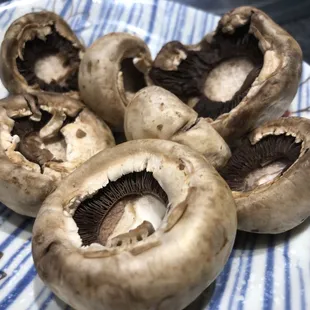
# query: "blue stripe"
86, 9
287, 278
38, 296
203, 29
170, 11
120, 11
237, 277
221, 283
47, 301
177, 24
105, 15
65, 8
14, 234
9, 20
180, 29
247, 273
19, 288
19, 267
268, 290
193, 29
302, 289
152, 22
12, 258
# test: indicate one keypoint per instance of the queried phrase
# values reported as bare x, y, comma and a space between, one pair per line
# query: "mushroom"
148, 224
241, 75
42, 139
113, 69
158, 114
40, 52
269, 174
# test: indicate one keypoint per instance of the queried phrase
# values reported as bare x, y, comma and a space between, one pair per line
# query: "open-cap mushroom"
42, 139
269, 174
148, 224
113, 69
241, 75
155, 113
40, 52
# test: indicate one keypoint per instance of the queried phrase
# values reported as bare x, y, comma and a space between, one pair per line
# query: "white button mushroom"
166, 259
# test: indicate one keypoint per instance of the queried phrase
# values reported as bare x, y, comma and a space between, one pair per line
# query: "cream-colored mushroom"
158, 114
243, 74
43, 138
112, 71
268, 175
40, 52
148, 224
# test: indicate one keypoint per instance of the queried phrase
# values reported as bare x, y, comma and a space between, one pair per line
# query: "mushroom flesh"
244, 73
42, 139
158, 114
113, 69
268, 175
148, 224
40, 52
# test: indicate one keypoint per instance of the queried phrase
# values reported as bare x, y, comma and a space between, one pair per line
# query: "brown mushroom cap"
40, 52
42, 139
270, 186
250, 47
158, 114
167, 269
113, 69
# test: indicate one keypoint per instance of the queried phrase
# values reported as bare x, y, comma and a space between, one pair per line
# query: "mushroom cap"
21, 30
101, 80
282, 204
158, 114
272, 90
23, 186
168, 269
276, 85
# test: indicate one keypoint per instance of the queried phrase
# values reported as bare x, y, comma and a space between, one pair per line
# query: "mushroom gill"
43, 138
258, 164
40, 52
218, 74
99, 217
134, 220
268, 176
241, 75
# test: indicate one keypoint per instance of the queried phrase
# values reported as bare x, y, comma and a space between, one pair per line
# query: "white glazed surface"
263, 272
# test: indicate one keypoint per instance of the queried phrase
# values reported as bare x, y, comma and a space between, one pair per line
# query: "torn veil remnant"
241, 75
40, 52
268, 175
119, 219
113, 69
43, 138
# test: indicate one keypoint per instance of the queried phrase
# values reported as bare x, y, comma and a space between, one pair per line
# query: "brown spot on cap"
160, 127
80, 133
89, 66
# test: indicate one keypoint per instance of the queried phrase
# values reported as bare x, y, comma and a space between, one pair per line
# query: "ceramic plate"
263, 272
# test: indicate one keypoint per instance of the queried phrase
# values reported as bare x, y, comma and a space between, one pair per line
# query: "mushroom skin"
270, 92
32, 164
155, 113
40, 25
113, 69
282, 203
166, 270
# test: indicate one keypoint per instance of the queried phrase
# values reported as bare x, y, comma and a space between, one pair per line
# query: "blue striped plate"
263, 272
